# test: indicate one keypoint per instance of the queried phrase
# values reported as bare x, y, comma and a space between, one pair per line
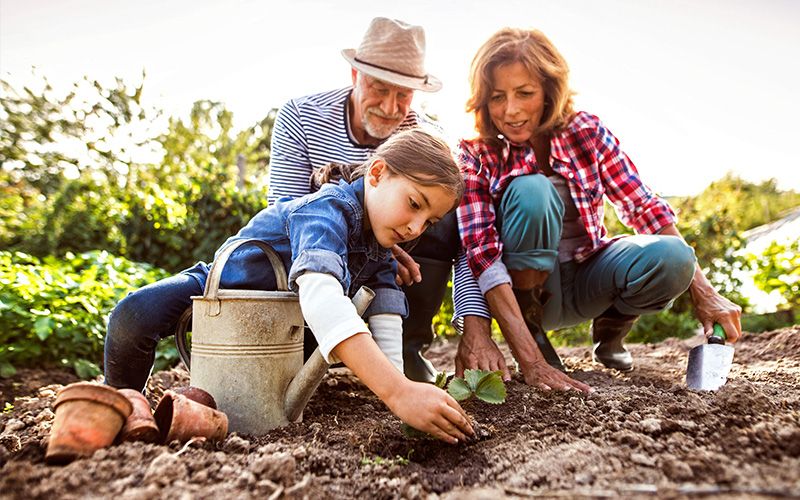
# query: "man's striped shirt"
309, 133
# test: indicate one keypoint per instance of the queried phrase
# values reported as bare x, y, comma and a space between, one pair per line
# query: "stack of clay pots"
91, 416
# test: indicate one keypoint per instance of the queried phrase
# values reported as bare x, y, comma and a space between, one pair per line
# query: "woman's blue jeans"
636, 274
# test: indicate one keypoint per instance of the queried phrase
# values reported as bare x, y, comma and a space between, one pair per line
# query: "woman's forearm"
504, 308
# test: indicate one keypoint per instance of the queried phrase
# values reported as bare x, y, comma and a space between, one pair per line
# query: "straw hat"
394, 51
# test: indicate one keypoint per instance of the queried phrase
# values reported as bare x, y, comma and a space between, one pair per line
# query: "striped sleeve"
468, 300
289, 164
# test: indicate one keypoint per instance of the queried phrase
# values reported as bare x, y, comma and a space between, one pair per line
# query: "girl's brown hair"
538, 54
414, 154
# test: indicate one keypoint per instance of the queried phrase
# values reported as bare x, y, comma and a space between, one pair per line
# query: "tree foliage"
89, 170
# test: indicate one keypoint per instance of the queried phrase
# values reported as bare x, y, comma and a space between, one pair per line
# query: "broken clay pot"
180, 418
197, 394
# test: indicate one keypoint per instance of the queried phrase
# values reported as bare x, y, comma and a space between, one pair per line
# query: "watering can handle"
212, 288
215, 274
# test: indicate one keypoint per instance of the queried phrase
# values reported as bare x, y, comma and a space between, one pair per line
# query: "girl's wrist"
393, 391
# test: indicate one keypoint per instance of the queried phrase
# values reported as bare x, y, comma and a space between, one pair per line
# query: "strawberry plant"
485, 385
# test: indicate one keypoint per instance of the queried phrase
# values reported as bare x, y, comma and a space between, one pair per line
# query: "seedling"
485, 385
379, 460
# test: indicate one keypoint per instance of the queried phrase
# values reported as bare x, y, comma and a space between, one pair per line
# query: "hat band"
384, 68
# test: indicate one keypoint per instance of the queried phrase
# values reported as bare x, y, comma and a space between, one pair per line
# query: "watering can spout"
305, 383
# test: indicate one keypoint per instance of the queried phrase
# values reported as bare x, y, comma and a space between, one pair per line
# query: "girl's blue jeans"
143, 318
136, 325
636, 274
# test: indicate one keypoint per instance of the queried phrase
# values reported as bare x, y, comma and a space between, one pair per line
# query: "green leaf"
43, 327
86, 369
7, 369
491, 388
441, 380
473, 377
459, 389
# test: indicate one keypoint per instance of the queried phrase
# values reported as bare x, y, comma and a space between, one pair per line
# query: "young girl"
332, 242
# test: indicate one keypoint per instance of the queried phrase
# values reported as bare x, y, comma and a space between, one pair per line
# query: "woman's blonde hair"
414, 154
540, 57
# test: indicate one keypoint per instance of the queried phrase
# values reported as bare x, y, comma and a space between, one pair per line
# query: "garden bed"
638, 434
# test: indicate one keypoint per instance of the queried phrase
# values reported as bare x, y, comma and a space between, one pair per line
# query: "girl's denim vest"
320, 232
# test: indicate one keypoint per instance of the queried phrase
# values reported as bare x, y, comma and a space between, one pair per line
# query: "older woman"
531, 223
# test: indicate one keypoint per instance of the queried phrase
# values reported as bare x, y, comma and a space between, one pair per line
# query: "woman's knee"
677, 261
534, 196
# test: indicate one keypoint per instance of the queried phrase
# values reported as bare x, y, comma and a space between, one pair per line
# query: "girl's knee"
131, 321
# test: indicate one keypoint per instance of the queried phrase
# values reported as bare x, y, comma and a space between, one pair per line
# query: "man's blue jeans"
636, 274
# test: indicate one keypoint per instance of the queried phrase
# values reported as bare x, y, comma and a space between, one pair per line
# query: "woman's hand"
539, 374
407, 270
477, 350
429, 409
710, 307
535, 369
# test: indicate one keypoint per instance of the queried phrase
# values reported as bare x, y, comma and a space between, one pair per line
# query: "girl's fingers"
443, 436
450, 427
453, 404
459, 419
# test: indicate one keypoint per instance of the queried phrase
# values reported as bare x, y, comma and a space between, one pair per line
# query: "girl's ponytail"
334, 172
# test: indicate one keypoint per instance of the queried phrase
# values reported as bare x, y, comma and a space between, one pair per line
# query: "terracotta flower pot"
88, 417
197, 394
140, 425
181, 418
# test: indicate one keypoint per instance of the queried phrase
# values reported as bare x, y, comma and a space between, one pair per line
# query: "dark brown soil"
638, 434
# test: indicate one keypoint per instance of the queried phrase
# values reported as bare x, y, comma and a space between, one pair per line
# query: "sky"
693, 89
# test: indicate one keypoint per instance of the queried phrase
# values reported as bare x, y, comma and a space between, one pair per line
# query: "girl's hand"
429, 409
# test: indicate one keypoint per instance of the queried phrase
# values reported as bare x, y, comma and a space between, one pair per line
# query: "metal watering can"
247, 348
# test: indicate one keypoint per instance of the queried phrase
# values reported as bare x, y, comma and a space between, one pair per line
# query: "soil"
639, 434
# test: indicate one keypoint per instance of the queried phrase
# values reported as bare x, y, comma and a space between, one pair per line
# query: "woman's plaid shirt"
588, 155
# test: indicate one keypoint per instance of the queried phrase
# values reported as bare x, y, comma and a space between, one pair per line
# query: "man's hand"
477, 350
407, 270
539, 374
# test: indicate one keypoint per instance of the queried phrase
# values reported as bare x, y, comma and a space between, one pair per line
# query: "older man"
345, 126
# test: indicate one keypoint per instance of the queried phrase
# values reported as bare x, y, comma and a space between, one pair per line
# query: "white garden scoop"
709, 364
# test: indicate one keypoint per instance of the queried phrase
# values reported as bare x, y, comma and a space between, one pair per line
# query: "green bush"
778, 269
54, 311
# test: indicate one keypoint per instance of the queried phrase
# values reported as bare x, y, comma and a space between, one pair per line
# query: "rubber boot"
608, 331
532, 302
424, 300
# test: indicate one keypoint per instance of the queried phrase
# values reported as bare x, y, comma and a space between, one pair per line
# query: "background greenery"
101, 194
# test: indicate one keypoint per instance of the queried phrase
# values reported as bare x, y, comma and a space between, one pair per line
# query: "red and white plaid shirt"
589, 158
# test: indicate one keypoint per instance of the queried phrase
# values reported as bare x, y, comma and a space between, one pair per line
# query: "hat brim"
427, 84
